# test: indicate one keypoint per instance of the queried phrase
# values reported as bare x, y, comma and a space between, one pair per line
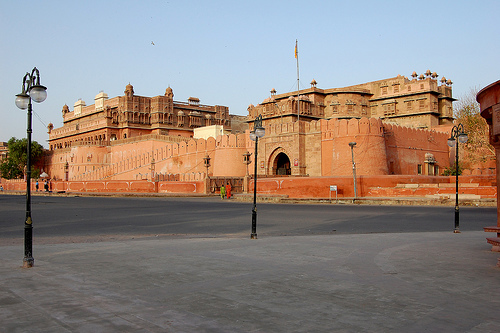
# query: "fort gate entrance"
281, 165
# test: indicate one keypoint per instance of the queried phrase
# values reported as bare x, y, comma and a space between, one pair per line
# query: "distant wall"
293, 187
375, 186
114, 186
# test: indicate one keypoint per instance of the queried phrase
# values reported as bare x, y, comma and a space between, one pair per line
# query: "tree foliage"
15, 164
478, 148
452, 170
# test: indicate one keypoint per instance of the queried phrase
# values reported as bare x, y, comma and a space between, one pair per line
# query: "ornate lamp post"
66, 171
206, 161
246, 160
31, 90
352, 144
258, 132
457, 133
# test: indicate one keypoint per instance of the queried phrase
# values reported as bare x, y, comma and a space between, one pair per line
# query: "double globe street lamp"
258, 132
31, 90
457, 133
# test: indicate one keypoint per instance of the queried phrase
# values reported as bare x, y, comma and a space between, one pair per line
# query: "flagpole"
298, 81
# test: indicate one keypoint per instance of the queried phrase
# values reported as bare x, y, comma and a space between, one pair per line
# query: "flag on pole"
296, 49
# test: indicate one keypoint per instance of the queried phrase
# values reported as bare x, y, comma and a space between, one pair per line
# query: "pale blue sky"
233, 52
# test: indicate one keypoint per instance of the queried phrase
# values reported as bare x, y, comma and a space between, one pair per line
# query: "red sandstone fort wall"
380, 149
317, 148
377, 186
369, 151
139, 159
407, 148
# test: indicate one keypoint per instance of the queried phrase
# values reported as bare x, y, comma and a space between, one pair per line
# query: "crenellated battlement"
335, 128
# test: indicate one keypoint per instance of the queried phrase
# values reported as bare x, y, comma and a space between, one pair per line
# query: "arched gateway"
281, 165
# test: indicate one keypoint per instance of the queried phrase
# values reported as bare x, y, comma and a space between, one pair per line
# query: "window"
389, 109
384, 90
408, 105
396, 88
409, 88
419, 169
421, 103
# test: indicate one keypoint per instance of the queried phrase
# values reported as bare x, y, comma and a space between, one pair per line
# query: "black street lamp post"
457, 133
258, 132
31, 90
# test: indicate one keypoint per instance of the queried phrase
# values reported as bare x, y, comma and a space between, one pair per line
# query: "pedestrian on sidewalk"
36, 185
222, 192
228, 190
46, 186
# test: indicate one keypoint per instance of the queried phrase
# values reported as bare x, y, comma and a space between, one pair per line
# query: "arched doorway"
282, 165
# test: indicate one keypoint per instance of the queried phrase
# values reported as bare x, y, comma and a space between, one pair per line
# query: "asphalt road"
88, 218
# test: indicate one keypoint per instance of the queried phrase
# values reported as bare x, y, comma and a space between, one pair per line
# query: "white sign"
333, 187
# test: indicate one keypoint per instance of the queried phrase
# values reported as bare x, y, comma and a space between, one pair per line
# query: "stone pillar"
206, 182
489, 99
246, 183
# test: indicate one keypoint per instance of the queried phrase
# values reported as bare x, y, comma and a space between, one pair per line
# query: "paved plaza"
387, 282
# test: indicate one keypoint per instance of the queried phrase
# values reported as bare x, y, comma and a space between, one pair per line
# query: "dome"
129, 90
169, 92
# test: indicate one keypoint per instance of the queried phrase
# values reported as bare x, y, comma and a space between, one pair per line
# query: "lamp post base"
253, 235
457, 218
28, 262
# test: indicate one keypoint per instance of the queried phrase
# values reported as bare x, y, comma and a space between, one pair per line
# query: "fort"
400, 128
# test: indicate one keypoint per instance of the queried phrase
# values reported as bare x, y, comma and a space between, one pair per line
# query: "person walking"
228, 190
46, 186
222, 192
36, 185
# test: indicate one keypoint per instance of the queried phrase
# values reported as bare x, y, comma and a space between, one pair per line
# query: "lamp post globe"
463, 138
38, 93
22, 101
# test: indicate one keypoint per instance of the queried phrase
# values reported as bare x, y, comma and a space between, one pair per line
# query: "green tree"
478, 148
452, 170
15, 164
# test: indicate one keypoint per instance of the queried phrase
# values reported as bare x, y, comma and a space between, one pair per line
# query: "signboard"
296, 162
334, 188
